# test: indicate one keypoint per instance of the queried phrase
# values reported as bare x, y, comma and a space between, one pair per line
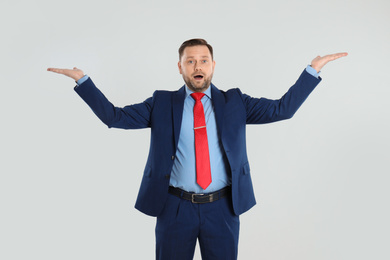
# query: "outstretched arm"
266, 110
129, 117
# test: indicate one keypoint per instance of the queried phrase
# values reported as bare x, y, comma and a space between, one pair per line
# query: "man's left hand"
320, 62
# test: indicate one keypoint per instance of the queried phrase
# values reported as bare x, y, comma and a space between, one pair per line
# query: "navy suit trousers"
182, 222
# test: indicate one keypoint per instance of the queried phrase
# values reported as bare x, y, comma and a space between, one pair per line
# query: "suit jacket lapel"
218, 100
177, 112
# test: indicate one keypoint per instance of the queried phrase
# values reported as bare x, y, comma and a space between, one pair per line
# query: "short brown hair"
195, 42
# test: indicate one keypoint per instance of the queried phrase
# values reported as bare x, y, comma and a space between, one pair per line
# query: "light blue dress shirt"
183, 173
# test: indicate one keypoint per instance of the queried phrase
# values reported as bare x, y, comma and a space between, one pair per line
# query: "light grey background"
68, 183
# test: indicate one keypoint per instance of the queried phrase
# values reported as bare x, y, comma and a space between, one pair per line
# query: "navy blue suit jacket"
163, 113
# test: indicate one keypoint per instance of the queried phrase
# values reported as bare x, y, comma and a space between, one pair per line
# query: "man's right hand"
75, 73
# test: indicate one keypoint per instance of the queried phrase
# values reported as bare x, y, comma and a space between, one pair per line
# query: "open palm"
318, 62
74, 73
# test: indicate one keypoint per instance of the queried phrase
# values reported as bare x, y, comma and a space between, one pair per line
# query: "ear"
213, 65
179, 66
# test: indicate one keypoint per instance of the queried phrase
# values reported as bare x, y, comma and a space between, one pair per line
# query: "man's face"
197, 67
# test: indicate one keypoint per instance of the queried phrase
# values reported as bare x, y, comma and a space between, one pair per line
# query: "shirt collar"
207, 92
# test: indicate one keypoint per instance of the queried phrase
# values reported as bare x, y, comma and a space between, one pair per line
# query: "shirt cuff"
82, 80
312, 71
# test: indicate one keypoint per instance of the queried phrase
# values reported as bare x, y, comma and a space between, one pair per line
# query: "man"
197, 177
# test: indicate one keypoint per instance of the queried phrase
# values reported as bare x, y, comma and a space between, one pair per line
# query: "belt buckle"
193, 198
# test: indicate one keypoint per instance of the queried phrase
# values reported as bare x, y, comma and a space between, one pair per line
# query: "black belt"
200, 198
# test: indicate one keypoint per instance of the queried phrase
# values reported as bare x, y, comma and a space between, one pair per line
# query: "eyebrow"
191, 57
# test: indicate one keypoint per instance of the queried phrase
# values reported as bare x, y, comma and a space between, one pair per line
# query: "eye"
190, 61
204, 61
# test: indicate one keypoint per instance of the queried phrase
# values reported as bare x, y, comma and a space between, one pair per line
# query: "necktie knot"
197, 96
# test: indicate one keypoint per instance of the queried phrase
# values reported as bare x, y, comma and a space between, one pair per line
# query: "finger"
56, 70
341, 54
337, 55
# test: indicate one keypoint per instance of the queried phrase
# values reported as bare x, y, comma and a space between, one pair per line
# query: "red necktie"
203, 172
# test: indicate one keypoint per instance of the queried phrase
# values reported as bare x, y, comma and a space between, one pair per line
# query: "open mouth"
198, 77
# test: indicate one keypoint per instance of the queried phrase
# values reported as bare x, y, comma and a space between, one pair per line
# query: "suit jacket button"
173, 157
167, 176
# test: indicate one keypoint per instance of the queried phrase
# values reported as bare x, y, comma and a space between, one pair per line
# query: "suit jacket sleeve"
129, 117
263, 110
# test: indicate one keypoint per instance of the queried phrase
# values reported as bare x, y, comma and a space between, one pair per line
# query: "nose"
197, 66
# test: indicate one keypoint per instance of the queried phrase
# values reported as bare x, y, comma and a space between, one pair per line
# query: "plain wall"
68, 184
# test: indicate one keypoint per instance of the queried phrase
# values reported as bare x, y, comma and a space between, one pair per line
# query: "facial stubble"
192, 86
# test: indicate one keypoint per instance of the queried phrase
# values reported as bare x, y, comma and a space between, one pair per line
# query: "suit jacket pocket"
245, 169
147, 172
